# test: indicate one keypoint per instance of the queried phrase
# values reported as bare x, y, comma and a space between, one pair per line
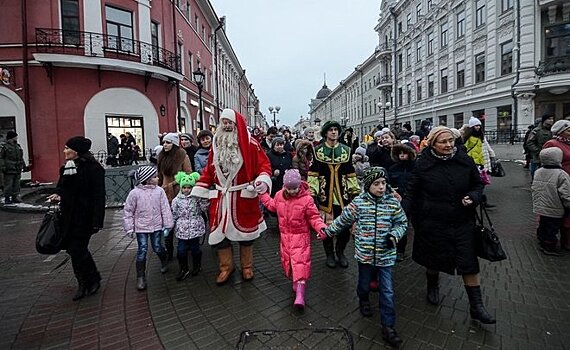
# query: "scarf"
70, 168
563, 139
444, 157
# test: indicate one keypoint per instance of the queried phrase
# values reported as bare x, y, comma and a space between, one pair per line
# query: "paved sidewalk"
529, 294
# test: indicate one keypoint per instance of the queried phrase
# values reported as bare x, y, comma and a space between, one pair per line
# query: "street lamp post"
199, 80
317, 121
274, 111
384, 107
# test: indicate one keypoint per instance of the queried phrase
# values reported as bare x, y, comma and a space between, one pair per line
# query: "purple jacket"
187, 212
147, 210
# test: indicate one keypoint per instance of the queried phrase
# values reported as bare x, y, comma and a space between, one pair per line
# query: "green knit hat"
184, 179
329, 124
372, 174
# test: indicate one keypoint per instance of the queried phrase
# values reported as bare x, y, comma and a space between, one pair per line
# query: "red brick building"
92, 67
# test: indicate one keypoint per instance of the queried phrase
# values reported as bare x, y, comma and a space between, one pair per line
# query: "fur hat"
79, 144
372, 174
11, 134
360, 150
185, 179
474, 121
435, 132
144, 173
173, 138
559, 127
402, 148
329, 124
292, 178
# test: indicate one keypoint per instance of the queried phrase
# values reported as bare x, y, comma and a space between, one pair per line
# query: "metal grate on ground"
296, 339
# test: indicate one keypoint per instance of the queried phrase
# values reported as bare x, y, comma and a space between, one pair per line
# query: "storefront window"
118, 125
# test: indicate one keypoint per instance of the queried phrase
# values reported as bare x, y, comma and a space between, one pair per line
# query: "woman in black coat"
81, 194
281, 160
441, 197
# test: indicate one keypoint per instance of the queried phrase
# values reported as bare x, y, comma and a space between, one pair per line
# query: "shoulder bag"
487, 242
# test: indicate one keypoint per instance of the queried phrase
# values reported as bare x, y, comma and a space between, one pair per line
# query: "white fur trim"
201, 192
229, 114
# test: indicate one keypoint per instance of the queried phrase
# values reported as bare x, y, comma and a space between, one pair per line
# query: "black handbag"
487, 242
50, 235
497, 170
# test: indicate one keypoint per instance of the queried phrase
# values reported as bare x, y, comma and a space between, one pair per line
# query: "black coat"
380, 156
443, 227
399, 174
82, 198
279, 161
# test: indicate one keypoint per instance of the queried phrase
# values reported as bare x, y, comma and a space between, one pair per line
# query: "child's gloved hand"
391, 241
322, 235
261, 187
165, 232
131, 234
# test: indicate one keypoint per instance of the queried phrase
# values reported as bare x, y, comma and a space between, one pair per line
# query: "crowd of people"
221, 187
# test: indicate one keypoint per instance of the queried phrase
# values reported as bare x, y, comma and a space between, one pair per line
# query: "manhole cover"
306, 338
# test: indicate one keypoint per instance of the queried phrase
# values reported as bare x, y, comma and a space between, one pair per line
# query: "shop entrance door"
118, 125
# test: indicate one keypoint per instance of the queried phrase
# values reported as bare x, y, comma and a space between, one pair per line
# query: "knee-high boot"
226, 265
340, 247
196, 263
169, 245
433, 288
92, 275
78, 270
476, 308
246, 260
141, 275
328, 244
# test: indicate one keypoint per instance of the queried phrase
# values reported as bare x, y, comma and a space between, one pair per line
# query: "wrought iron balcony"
554, 65
53, 40
385, 48
384, 81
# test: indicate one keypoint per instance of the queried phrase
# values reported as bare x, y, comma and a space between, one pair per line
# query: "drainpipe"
178, 65
25, 66
361, 97
394, 68
239, 89
514, 125
220, 26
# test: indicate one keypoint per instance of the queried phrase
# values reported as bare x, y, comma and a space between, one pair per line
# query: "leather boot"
93, 277
81, 280
7, 200
163, 262
365, 308
476, 308
565, 238
169, 246
390, 335
340, 248
433, 288
329, 251
183, 264
299, 302
246, 260
226, 263
196, 263
141, 275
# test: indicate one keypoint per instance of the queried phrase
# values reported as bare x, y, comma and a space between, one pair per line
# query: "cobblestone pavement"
529, 294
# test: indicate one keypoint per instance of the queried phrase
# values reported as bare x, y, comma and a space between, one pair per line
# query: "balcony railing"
103, 45
383, 81
385, 46
554, 65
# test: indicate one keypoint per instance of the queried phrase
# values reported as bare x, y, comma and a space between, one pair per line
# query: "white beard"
228, 156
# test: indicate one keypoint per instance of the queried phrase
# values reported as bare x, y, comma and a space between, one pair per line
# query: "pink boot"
300, 296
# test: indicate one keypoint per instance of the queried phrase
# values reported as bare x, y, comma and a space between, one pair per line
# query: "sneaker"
552, 251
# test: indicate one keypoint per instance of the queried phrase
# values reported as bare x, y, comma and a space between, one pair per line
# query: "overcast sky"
287, 45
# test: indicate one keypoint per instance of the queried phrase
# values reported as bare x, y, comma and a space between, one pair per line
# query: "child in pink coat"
297, 214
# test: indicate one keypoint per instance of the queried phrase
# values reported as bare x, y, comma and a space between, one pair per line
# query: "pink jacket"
147, 210
296, 217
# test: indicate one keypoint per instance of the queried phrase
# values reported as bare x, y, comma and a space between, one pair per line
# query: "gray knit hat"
277, 140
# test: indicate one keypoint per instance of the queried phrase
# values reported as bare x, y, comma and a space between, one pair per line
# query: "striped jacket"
375, 218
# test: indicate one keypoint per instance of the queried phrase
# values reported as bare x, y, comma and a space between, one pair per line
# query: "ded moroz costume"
234, 204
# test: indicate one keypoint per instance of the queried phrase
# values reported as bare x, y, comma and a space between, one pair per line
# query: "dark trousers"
547, 230
82, 261
341, 239
184, 245
12, 184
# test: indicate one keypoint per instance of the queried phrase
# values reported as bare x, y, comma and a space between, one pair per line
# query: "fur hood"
402, 148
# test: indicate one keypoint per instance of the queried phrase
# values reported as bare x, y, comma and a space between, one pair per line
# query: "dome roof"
324, 92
